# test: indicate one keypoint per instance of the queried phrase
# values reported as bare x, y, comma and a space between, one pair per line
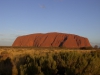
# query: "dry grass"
15, 53
19, 52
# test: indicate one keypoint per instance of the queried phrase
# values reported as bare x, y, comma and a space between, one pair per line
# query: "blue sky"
21, 17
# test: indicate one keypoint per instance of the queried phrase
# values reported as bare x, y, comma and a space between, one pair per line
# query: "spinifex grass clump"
52, 62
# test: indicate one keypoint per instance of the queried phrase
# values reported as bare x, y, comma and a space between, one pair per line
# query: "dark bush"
86, 48
6, 67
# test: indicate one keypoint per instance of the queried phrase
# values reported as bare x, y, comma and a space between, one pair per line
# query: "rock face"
53, 39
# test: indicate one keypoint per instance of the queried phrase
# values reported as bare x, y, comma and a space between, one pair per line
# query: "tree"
96, 46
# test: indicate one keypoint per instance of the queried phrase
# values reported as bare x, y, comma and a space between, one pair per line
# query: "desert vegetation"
49, 61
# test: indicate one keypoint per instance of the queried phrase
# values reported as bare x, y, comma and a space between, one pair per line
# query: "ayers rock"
52, 39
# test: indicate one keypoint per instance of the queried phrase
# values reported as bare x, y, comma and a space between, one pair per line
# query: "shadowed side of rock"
52, 40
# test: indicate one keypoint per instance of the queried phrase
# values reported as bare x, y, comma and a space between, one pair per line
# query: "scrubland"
49, 61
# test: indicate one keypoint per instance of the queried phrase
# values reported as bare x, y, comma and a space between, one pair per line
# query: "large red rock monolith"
52, 40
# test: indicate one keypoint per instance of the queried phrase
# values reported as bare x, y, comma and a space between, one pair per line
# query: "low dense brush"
46, 62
